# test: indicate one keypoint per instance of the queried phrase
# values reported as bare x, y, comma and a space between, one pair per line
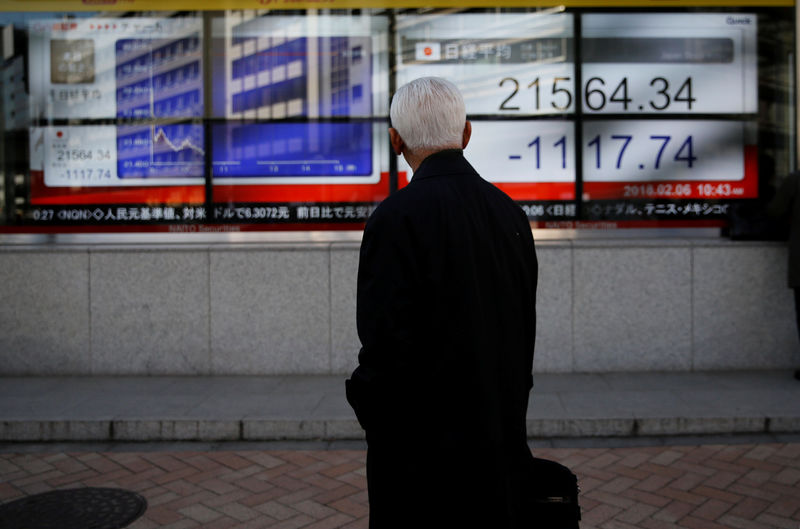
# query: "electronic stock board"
600, 111
641, 106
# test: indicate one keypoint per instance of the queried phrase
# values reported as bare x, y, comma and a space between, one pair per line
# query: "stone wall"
651, 304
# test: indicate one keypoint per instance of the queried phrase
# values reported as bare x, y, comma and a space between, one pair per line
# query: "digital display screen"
144, 70
675, 64
293, 149
301, 98
678, 155
159, 79
506, 66
159, 151
537, 154
544, 149
514, 66
669, 63
578, 115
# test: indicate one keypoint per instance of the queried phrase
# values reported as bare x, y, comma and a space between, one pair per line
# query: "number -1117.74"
654, 154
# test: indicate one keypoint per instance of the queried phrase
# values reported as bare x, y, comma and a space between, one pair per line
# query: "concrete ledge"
142, 430
282, 429
702, 425
55, 430
296, 408
175, 430
580, 427
783, 424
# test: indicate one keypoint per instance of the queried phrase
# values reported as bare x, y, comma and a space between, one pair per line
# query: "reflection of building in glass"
272, 72
277, 68
15, 98
159, 77
293, 149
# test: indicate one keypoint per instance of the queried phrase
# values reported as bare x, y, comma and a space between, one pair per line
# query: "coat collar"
448, 161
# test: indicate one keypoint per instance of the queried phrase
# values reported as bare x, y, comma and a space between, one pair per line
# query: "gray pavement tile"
285, 406
103, 386
358, 444
657, 381
243, 386
793, 437
27, 386
545, 406
95, 409
40, 407
334, 406
749, 380
620, 404
17, 447
229, 406
292, 384
160, 406
554, 383
736, 402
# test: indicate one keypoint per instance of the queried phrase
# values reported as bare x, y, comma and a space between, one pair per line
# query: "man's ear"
397, 142
467, 134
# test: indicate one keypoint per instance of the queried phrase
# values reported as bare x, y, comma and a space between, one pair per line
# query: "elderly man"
446, 317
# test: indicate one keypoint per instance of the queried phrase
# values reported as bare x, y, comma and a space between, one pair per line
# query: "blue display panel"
293, 149
281, 67
145, 73
159, 79
303, 101
152, 151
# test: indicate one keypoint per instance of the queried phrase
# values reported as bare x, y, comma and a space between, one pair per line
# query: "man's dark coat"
446, 317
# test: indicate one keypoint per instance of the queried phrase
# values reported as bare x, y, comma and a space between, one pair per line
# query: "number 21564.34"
598, 95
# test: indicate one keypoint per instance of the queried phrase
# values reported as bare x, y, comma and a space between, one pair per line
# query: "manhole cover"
84, 508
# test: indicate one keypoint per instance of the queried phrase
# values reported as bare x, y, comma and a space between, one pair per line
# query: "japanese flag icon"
428, 51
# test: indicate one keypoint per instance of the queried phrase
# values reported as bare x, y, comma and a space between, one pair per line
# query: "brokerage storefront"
631, 119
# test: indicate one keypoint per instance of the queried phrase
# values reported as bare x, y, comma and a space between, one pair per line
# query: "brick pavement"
751, 486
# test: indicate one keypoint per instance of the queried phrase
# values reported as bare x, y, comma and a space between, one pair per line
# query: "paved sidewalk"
286, 452
127, 409
750, 486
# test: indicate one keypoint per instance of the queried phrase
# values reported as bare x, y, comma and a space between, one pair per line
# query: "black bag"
553, 490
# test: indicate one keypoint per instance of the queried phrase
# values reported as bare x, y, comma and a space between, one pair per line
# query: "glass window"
607, 117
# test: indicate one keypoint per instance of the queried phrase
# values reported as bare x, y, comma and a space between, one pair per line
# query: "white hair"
429, 114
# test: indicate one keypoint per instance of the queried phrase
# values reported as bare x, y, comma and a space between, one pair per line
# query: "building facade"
184, 189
